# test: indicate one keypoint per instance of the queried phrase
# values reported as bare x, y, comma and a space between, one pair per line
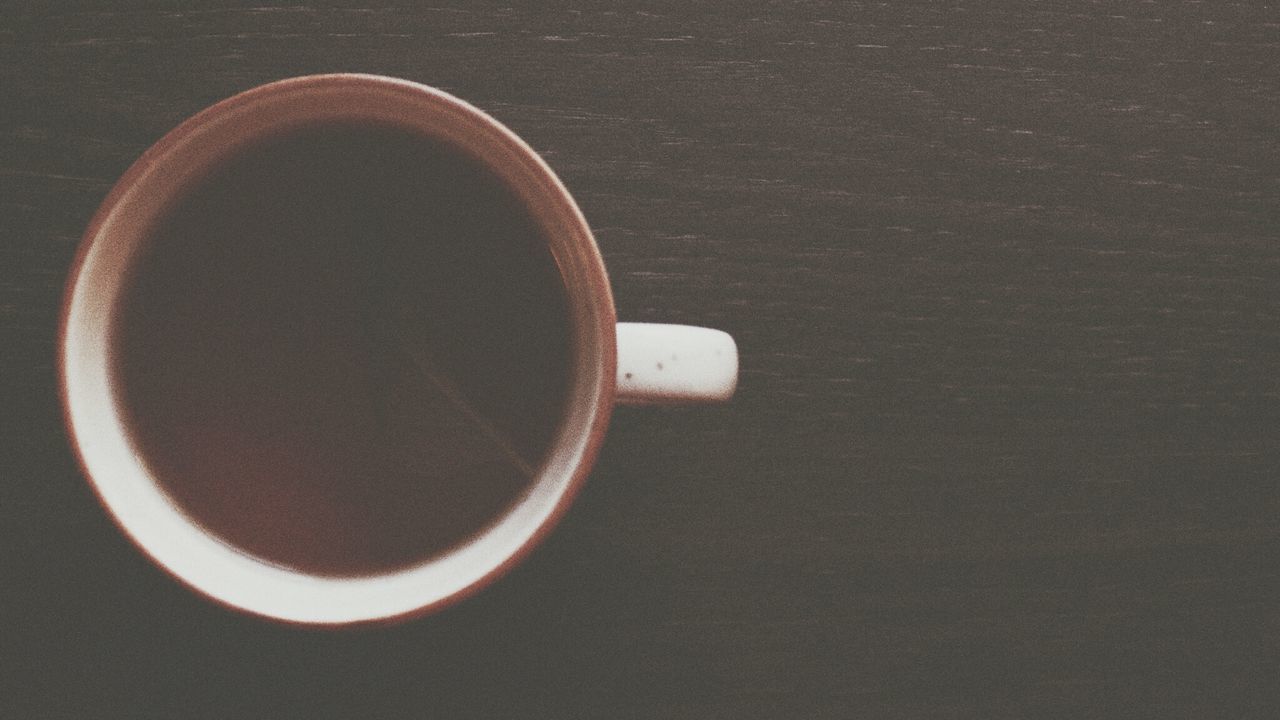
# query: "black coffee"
345, 350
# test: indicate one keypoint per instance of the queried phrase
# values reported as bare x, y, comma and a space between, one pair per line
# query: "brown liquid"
344, 350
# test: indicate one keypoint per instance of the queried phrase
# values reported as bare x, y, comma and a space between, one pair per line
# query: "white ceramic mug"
612, 362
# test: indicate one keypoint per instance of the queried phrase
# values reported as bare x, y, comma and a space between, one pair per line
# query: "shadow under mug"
611, 362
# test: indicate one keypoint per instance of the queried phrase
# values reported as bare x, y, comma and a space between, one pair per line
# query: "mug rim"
591, 398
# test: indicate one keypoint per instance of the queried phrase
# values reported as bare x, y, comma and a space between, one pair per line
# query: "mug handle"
662, 364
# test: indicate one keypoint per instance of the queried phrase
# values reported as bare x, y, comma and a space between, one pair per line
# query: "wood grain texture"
1006, 282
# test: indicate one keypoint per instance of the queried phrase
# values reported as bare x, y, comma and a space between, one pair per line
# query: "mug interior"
120, 475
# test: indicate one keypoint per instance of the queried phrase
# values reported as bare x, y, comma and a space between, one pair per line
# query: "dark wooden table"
1006, 282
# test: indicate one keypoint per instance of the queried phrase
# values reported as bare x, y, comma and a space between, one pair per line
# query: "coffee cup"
341, 349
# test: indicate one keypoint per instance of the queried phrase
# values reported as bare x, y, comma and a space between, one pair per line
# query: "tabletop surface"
1005, 278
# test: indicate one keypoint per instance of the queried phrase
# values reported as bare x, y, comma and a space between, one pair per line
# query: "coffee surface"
345, 350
